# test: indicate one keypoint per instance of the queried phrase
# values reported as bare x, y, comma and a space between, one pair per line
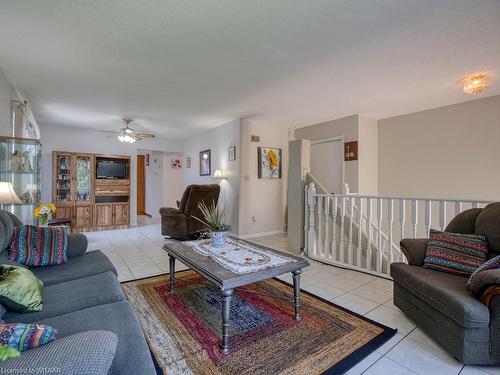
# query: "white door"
327, 164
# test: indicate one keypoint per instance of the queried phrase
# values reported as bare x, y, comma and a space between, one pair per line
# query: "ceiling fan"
128, 135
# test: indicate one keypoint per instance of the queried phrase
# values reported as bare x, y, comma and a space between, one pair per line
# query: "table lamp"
7, 194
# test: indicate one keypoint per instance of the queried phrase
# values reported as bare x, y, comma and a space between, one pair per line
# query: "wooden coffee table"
227, 281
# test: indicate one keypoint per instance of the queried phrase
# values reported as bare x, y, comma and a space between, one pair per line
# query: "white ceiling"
181, 66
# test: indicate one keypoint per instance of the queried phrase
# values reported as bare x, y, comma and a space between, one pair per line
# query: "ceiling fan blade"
145, 135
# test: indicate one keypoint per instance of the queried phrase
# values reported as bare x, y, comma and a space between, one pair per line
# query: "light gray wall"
62, 138
6, 93
447, 152
218, 141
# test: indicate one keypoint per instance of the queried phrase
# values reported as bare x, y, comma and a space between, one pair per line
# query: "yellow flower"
36, 212
52, 207
272, 158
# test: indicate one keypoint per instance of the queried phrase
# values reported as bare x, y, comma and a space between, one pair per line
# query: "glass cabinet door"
63, 178
83, 180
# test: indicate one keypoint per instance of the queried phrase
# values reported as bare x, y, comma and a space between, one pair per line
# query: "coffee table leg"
296, 292
172, 274
227, 296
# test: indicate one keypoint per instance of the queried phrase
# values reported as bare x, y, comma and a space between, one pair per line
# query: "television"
111, 169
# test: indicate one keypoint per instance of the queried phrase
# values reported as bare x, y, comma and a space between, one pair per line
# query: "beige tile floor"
137, 253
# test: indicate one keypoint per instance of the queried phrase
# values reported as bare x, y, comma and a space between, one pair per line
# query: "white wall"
261, 199
6, 93
450, 152
61, 138
367, 155
173, 179
218, 141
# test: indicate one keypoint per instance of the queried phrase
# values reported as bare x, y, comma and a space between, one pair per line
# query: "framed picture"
269, 162
351, 151
188, 162
205, 164
146, 158
231, 153
176, 164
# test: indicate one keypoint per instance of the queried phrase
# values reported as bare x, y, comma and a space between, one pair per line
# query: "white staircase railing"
362, 232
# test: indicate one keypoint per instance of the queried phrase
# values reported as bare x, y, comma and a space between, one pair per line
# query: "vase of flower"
213, 218
43, 213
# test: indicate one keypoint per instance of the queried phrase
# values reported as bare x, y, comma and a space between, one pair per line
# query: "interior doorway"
327, 163
141, 185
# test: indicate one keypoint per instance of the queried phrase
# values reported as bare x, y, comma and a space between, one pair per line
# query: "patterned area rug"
184, 330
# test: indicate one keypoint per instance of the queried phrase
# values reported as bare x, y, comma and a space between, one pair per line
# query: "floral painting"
269, 162
176, 164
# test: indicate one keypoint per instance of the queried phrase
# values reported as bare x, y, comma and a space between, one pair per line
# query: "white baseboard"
261, 234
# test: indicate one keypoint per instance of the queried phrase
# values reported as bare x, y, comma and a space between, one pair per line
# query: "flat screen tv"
111, 169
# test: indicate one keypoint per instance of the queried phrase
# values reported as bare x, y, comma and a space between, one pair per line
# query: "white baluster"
458, 208
327, 223
402, 216
428, 216
342, 219
359, 250
306, 216
320, 223
379, 235
390, 219
442, 215
334, 229
311, 232
369, 234
351, 220
475, 204
414, 216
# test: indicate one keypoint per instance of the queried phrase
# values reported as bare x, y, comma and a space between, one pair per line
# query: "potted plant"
213, 220
44, 213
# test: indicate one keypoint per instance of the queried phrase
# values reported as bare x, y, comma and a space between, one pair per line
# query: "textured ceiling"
182, 66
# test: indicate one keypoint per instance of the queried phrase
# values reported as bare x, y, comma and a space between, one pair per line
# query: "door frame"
339, 138
140, 156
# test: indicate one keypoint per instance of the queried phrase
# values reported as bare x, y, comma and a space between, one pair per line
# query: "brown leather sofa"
180, 222
439, 302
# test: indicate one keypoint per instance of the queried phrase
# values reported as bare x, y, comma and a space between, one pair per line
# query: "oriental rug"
184, 330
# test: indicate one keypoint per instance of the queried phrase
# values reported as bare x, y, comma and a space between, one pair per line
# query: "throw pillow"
20, 289
455, 253
492, 264
7, 352
39, 246
26, 336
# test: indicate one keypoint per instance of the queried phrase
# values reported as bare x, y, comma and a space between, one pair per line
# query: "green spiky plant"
213, 217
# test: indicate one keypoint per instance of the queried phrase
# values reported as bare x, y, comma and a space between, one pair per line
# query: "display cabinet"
20, 165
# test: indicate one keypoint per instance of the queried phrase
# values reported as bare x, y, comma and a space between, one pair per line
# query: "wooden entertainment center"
84, 193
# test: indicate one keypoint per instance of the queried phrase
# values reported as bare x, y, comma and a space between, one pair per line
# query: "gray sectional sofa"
84, 301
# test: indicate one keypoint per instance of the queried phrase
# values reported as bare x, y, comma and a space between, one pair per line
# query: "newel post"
311, 232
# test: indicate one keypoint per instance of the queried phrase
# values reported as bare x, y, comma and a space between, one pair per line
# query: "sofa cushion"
77, 245
39, 246
92, 263
444, 292
132, 353
488, 224
20, 289
464, 222
455, 253
72, 296
26, 336
86, 353
8, 229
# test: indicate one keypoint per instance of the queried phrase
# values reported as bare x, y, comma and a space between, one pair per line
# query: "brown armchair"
179, 222
440, 303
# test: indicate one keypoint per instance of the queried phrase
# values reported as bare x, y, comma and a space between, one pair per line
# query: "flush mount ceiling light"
475, 83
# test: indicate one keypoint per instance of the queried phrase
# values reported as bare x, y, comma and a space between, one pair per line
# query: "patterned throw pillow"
492, 264
39, 246
455, 253
26, 336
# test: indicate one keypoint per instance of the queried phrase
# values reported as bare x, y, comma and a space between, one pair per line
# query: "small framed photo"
205, 163
146, 158
188, 162
231, 153
176, 164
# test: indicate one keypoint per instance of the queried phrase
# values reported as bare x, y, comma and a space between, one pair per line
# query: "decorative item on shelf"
219, 175
231, 153
176, 164
44, 212
351, 151
30, 193
7, 194
269, 162
188, 162
20, 162
205, 163
213, 220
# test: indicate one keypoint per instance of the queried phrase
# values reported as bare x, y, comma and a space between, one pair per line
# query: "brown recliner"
439, 302
180, 222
